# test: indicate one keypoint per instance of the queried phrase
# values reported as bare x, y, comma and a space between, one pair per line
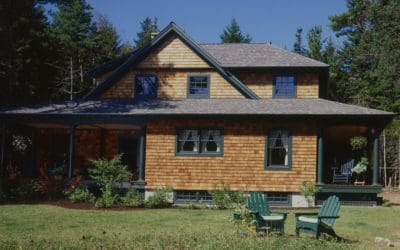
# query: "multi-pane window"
146, 86
199, 86
186, 196
278, 199
279, 149
199, 141
284, 86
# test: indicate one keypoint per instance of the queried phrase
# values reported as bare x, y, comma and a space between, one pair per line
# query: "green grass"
44, 226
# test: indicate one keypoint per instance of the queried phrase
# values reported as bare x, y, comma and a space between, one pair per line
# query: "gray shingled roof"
257, 55
239, 107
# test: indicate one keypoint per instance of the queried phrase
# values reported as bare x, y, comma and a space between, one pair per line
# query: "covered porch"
337, 160
57, 148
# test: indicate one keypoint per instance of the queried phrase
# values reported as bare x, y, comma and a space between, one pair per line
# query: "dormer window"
198, 86
146, 86
284, 86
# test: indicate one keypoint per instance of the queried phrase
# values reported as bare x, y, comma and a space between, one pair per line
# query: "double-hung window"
146, 86
199, 141
284, 86
278, 149
198, 86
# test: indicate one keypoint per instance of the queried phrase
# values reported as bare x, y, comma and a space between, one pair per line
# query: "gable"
145, 53
172, 53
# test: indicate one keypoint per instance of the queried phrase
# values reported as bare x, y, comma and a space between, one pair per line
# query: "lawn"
46, 226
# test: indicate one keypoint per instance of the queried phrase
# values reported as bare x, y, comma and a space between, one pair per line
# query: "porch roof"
198, 107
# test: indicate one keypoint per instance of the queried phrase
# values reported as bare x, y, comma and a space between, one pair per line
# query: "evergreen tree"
73, 27
315, 42
125, 48
148, 26
298, 44
233, 34
26, 53
106, 41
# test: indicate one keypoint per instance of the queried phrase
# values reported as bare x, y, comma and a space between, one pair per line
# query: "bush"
81, 194
161, 198
224, 198
107, 198
131, 198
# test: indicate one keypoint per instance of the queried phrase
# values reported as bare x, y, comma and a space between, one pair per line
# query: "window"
182, 196
199, 141
146, 86
199, 86
284, 86
279, 199
279, 149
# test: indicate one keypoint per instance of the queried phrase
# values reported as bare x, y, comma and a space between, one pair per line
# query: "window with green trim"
279, 149
199, 86
199, 141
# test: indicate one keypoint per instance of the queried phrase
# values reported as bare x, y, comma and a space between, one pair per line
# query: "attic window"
284, 86
199, 86
146, 86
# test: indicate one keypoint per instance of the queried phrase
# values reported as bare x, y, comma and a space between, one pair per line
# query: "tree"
73, 27
125, 48
26, 53
315, 42
233, 34
298, 45
148, 26
106, 41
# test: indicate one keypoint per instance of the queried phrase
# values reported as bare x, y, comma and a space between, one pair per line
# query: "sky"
273, 21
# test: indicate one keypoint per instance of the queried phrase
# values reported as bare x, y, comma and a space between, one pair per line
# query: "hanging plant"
358, 143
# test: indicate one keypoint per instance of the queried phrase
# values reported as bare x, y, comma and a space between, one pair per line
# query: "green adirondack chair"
322, 222
263, 218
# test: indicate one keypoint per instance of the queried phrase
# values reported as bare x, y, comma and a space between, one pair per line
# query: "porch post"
320, 160
141, 158
375, 159
71, 151
2, 148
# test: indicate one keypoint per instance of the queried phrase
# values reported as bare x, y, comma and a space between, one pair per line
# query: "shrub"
131, 198
109, 171
81, 194
224, 198
106, 173
161, 198
107, 198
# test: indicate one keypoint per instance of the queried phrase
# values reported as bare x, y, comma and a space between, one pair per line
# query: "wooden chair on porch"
344, 176
263, 218
322, 222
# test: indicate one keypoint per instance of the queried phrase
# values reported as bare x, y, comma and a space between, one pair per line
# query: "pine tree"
26, 53
73, 27
298, 45
148, 27
125, 48
315, 42
233, 34
106, 41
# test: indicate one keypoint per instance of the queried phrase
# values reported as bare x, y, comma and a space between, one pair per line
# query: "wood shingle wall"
241, 166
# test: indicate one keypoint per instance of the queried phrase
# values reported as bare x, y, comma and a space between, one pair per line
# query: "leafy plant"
224, 197
106, 171
358, 143
132, 198
308, 189
361, 166
160, 198
81, 194
107, 198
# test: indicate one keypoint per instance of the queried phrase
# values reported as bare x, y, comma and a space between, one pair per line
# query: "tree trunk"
398, 159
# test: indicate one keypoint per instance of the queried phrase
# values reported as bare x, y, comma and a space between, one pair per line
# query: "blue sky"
204, 20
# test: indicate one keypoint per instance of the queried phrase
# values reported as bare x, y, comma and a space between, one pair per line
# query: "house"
190, 115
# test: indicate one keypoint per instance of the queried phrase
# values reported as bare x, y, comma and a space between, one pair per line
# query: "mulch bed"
77, 205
